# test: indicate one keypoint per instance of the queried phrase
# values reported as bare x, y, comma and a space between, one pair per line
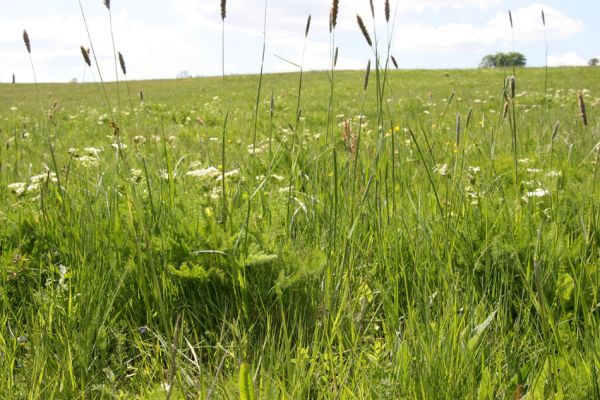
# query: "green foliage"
414, 268
246, 385
511, 59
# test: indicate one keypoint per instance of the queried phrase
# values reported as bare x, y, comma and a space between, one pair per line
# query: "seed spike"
363, 29
86, 56
510, 18
307, 26
334, 13
367, 75
223, 9
122, 63
394, 62
107, 4
584, 118
26, 40
543, 18
386, 9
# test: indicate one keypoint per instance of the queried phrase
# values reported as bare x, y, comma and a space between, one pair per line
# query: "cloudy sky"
160, 39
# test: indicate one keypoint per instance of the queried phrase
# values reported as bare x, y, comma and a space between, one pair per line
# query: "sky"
162, 39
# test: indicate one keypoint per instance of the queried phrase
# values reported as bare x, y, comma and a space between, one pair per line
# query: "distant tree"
488, 61
512, 59
594, 62
183, 75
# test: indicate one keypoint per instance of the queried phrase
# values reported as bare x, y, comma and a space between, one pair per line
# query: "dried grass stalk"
363, 29
543, 18
27, 42
512, 85
334, 13
584, 117
386, 9
122, 63
86, 56
372, 8
367, 75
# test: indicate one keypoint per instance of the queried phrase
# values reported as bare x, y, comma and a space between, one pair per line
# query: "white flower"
231, 174
87, 161
92, 151
441, 169
13, 109
260, 149
210, 172
216, 192
534, 170
118, 146
474, 170
539, 192
139, 139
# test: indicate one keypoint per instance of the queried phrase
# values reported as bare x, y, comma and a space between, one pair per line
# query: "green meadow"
410, 234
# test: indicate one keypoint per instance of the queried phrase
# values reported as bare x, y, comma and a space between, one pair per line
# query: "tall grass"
336, 268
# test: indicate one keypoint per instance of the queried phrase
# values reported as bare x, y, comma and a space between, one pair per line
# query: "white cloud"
570, 59
496, 31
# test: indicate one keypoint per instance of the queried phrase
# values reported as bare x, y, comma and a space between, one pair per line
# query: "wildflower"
87, 161
539, 192
139, 139
92, 151
231, 174
258, 150
216, 192
210, 172
441, 169
118, 146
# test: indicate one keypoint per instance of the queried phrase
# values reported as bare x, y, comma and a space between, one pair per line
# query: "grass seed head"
584, 118
510, 18
122, 63
386, 9
86, 56
543, 18
14, 79
223, 9
555, 131
372, 8
334, 13
27, 42
367, 75
512, 84
363, 29
107, 4
394, 62
307, 25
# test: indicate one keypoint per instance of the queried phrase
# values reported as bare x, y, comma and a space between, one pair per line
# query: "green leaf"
480, 329
246, 385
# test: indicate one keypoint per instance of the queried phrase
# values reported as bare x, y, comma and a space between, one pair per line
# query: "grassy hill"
435, 235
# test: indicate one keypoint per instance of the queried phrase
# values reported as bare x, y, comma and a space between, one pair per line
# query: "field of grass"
432, 236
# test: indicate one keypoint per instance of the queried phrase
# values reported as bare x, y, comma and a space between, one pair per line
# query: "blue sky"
159, 39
